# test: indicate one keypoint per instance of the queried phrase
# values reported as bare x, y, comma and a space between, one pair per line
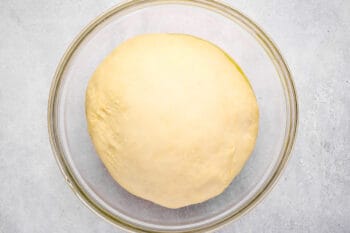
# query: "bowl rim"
234, 15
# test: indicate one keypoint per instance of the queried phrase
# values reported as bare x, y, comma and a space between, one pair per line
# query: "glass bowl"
213, 21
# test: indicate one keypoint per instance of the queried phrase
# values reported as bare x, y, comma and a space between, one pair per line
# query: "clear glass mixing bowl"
213, 21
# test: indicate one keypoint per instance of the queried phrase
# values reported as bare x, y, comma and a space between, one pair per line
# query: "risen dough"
172, 117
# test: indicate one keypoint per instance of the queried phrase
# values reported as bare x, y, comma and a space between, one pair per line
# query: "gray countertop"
313, 194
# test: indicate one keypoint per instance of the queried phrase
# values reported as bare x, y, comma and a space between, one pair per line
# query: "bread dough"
172, 117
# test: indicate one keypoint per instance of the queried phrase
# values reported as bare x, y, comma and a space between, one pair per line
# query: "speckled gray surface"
313, 194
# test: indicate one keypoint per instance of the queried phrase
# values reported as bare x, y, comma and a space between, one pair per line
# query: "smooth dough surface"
172, 117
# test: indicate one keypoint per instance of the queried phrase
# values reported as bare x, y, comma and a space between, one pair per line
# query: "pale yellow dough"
172, 117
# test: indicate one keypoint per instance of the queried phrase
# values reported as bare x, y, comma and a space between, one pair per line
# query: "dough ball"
172, 117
